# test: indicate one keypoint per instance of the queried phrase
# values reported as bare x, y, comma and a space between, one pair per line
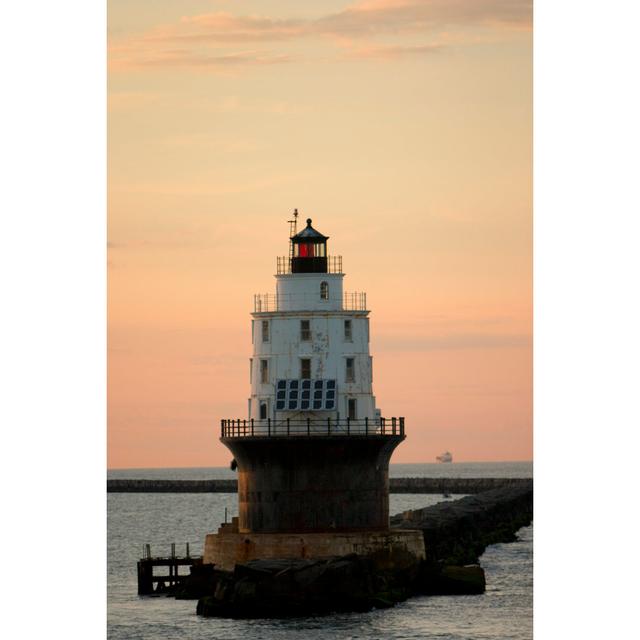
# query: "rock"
200, 582
286, 588
458, 532
209, 606
454, 580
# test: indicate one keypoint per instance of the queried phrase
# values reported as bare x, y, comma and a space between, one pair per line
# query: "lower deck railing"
312, 427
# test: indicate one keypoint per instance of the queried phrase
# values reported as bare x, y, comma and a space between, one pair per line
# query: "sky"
402, 127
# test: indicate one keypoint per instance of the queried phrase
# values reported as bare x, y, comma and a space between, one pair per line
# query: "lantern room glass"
309, 250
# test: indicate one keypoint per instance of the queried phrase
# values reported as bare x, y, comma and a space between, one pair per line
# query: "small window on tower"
265, 331
348, 335
324, 291
263, 411
350, 374
305, 368
250, 370
352, 409
305, 330
264, 371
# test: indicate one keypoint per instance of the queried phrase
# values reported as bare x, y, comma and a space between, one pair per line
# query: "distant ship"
445, 457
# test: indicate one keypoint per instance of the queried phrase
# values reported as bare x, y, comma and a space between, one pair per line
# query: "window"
250, 370
367, 328
324, 291
253, 322
263, 411
350, 375
305, 368
305, 330
306, 250
309, 250
348, 334
265, 331
352, 408
264, 371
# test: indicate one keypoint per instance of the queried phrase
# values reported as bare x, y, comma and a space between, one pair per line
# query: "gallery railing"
312, 427
270, 302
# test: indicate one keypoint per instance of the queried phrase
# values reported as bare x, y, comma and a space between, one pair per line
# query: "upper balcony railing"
309, 427
283, 265
269, 302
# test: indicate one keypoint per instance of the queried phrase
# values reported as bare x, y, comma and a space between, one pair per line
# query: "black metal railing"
283, 264
146, 552
312, 427
270, 302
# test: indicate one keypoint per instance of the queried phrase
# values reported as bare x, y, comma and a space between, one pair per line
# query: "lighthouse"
313, 452
311, 344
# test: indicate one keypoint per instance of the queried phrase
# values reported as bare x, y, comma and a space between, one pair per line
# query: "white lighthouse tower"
311, 360
313, 456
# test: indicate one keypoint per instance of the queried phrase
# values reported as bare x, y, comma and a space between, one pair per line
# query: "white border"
586, 317
53, 264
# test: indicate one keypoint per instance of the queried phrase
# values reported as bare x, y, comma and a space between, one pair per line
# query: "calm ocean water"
427, 469
504, 611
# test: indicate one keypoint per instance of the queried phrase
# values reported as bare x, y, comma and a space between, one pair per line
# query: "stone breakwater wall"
396, 485
455, 535
457, 532
453, 485
171, 486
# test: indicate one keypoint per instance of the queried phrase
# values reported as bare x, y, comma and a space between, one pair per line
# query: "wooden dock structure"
149, 583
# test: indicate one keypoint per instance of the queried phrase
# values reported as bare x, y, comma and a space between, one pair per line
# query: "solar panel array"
305, 395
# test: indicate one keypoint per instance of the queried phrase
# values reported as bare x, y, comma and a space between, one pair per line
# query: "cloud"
225, 27
390, 52
362, 19
197, 41
149, 58
402, 16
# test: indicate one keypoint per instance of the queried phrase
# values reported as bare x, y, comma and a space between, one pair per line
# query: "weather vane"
293, 224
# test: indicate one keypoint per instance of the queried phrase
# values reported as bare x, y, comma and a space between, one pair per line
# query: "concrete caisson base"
228, 547
313, 483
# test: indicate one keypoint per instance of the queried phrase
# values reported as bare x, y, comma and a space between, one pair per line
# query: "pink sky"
402, 128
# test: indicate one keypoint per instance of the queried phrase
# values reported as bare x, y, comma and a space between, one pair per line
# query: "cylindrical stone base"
313, 484
228, 547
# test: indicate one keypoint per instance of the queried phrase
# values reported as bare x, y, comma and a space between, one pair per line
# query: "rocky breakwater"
396, 485
453, 485
299, 587
124, 485
455, 533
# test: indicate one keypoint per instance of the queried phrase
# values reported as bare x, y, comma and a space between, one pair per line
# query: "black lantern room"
309, 251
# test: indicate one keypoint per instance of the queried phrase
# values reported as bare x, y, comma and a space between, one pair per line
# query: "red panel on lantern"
306, 251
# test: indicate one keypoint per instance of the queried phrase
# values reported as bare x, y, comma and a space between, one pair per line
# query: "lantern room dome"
308, 234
